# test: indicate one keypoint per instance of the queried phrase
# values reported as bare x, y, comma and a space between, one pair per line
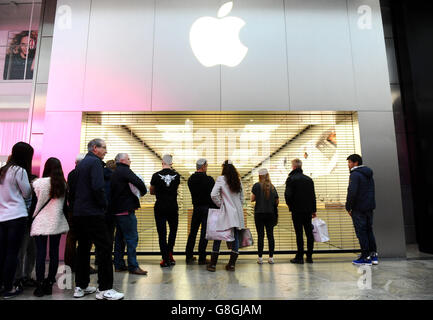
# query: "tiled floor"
330, 277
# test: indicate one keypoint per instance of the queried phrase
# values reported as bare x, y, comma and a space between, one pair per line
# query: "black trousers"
303, 220
199, 217
93, 229
363, 223
41, 254
265, 220
161, 219
11, 236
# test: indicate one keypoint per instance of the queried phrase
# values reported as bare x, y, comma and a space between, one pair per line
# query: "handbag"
320, 230
212, 233
245, 238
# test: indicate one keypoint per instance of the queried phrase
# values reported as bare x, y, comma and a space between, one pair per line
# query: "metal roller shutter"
252, 140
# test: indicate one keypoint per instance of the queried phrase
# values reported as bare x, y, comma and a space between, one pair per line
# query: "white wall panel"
319, 55
260, 81
119, 55
369, 56
180, 82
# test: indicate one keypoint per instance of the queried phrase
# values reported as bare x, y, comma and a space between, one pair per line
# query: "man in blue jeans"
123, 205
360, 204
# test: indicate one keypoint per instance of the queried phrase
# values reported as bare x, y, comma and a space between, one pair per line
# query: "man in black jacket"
360, 204
123, 205
200, 185
301, 200
90, 207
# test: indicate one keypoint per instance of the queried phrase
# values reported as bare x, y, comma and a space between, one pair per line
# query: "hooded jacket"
360, 193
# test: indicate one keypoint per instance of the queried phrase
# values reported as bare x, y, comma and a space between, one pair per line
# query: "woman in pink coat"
228, 196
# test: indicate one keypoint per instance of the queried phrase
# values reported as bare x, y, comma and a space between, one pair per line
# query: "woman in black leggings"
266, 197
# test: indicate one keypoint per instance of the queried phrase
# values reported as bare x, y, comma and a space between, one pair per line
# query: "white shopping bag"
134, 189
211, 233
320, 230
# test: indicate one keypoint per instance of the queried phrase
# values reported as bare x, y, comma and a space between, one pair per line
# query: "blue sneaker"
374, 259
362, 262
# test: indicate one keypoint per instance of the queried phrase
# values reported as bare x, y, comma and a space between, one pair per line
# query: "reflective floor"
330, 277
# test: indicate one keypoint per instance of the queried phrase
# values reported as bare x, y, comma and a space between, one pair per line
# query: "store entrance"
252, 140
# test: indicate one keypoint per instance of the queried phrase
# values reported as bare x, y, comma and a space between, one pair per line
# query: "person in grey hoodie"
360, 204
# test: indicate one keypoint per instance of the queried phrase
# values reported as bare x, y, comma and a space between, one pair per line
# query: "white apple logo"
216, 41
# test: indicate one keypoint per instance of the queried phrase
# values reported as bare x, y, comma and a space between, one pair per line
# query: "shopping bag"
212, 233
320, 230
245, 238
134, 189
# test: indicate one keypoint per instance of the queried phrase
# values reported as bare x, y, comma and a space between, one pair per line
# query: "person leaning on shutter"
301, 200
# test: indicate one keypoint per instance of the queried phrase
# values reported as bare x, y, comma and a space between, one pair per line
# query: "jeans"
126, 228
263, 221
303, 220
26, 256
235, 243
161, 219
41, 254
199, 217
11, 236
363, 223
93, 229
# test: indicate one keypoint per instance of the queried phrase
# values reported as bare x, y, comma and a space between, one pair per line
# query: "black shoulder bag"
45, 204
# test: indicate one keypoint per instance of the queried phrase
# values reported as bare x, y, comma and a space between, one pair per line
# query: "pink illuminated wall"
11, 133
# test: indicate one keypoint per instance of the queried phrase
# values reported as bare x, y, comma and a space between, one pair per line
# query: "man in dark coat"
360, 204
200, 185
301, 200
89, 221
123, 205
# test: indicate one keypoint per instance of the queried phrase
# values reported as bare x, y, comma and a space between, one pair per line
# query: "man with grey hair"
164, 185
123, 204
200, 185
90, 224
301, 200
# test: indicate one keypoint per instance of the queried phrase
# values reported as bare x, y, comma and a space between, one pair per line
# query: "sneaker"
260, 260
362, 262
309, 259
374, 259
164, 264
11, 294
172, 261
109, 295
271, 260
190, 260
79, 293
297, 261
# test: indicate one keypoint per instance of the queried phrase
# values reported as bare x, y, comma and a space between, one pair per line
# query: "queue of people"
97, 204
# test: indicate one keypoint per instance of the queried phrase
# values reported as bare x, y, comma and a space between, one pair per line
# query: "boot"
39, 291
231, 265
47, 287
213, 261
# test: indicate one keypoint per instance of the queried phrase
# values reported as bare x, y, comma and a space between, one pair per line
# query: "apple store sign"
215, 41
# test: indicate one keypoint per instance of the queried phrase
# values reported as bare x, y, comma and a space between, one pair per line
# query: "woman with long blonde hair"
266, 197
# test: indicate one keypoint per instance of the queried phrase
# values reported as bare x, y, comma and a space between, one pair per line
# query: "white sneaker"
271, 260
79, 293
109, 295
260, 260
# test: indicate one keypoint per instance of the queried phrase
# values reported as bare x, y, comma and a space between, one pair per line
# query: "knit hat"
263, 172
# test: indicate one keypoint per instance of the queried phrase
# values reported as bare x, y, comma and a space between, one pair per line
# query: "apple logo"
216, 41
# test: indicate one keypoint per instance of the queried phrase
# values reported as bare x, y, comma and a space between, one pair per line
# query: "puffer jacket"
360, 193
51, 219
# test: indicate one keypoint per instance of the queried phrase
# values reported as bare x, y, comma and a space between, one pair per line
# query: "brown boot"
213, 261
231, 265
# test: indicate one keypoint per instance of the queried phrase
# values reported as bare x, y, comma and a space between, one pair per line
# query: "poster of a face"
19, 56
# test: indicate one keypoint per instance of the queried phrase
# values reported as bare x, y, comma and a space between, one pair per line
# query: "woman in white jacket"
49, 222
228, 195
